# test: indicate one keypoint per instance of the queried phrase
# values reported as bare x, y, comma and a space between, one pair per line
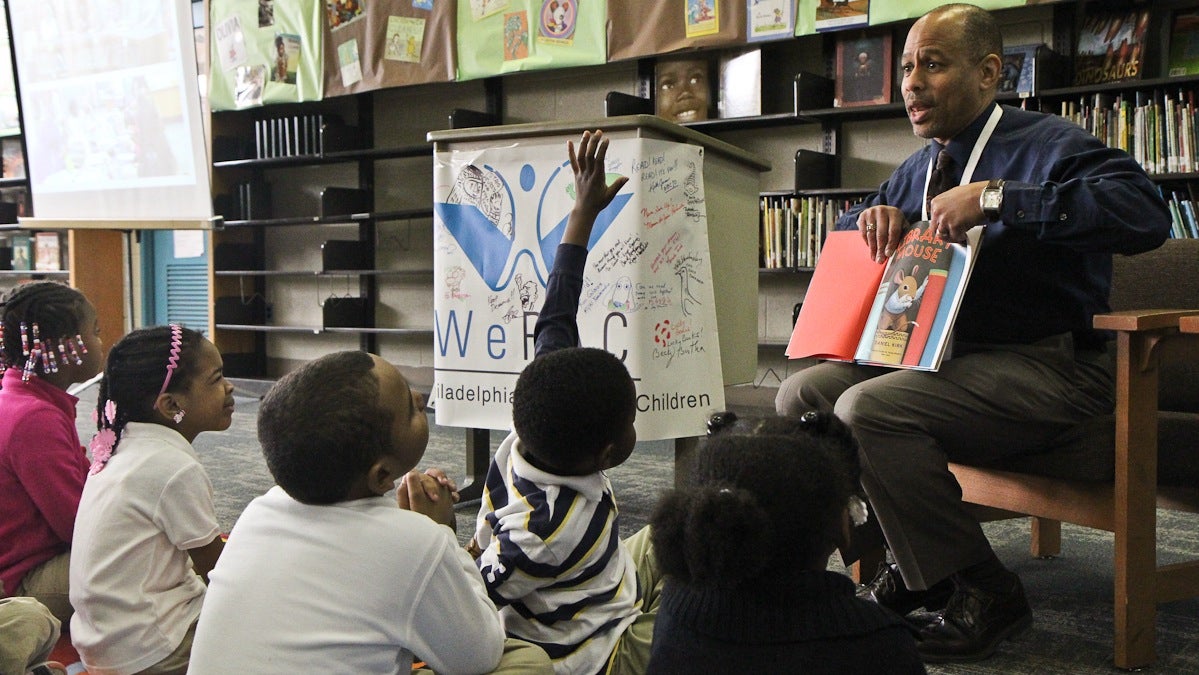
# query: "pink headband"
173, 359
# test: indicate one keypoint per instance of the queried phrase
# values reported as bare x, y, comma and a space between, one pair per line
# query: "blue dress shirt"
1069, 203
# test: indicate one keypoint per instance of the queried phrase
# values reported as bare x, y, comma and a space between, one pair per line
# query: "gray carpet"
1071, 595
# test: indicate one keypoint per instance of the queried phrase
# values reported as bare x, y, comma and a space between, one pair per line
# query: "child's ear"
167, 406
605, 457
381, 476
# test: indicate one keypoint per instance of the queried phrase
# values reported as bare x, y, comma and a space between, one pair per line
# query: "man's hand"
953, 212
882, 228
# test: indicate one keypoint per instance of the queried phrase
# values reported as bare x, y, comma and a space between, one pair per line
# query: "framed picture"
864, 69
1184, 43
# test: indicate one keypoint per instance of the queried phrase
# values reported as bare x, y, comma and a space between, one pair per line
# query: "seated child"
745, 547
28, 632
146, 534
42, 464
546, 536
323, 574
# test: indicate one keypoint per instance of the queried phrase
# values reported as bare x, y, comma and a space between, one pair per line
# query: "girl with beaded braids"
49, 339
745, 546
147, 535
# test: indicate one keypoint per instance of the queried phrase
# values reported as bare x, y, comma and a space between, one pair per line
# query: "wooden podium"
730, 190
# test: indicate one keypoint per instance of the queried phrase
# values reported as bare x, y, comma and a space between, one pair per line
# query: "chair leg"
867, 563
1046, 538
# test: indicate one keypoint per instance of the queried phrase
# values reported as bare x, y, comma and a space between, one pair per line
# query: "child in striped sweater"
547, 539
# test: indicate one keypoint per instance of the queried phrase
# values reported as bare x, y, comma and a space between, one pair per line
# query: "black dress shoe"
974, 622
887, 589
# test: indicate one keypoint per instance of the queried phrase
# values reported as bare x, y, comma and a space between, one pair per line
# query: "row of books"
1183, 216
303, 135
1157, 129
793, 229
39, 251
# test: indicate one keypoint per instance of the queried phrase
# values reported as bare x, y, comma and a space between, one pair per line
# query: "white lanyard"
977, 152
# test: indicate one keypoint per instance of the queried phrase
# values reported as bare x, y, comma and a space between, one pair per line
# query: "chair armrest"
1138, 320
1189, 324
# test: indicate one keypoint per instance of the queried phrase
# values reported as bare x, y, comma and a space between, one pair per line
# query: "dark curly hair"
569, 404
134, 373
322, 426
54, 306
764, 499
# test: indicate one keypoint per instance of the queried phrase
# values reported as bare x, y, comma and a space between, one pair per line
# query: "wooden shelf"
321, 273
784, 271
34, 273
352, 218
341, 157
317, 330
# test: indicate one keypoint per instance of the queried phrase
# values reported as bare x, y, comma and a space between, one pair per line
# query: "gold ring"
870, 227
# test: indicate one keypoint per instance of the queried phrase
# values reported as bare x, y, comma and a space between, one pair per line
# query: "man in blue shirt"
1026, 366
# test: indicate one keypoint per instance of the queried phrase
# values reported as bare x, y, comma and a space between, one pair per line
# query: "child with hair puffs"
147, 535
745, 546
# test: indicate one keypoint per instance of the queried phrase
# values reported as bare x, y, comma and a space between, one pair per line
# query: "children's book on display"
898, 313
1111, 46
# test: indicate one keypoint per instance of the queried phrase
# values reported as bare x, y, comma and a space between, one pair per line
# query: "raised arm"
557, 326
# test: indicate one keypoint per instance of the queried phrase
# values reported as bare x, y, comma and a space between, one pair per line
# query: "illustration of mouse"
898, 303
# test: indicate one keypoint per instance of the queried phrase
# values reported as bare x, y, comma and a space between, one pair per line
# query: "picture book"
47, 252
22, 252
898, 314
1184, 43
1111, 46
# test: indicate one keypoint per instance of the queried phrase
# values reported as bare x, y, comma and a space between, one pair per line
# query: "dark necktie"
944, 175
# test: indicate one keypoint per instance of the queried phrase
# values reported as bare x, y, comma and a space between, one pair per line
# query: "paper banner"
265, 52
647, 289
398, 43
672, 21
505, 36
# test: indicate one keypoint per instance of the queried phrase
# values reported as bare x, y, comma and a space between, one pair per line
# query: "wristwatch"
991, 199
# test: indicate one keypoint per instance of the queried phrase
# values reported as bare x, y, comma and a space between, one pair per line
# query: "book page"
838, 299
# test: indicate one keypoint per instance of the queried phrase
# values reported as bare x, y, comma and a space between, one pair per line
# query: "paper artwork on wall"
558, 21
231, 43
347, 61
516, 36
405, 38
481, 9
702, 17
769, 19
342, 12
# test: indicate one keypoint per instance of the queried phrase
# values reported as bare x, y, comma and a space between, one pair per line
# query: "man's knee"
802, 390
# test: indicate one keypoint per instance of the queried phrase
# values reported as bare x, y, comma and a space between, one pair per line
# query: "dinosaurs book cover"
898, 314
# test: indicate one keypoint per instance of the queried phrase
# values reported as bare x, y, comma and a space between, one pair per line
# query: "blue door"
175, 270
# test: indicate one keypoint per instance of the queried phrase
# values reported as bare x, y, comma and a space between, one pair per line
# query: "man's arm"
557, 325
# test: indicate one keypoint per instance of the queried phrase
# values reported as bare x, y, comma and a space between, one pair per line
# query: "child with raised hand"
49, 339
546, 536
147, 533
323, 574
745, 547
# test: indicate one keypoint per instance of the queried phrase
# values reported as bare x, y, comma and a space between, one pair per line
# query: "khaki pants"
29, 632
631, 654
49, 583
519, 658
176, 662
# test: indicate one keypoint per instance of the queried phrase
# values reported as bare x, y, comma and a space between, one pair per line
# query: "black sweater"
812, 625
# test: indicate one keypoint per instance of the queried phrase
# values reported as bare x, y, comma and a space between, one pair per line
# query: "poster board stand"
663, 241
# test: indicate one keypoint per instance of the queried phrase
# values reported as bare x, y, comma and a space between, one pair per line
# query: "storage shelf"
317, 330
407, 214
753, 122
34, 273
780, 271
321, 273
340, 157
13, 182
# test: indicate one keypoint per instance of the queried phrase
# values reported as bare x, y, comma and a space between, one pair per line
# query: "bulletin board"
265, 52
388, 43
679, 24
505, 36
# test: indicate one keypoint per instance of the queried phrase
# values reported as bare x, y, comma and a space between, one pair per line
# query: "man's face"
683, 90
944, 85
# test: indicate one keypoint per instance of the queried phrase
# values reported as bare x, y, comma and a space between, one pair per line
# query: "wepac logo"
481, 215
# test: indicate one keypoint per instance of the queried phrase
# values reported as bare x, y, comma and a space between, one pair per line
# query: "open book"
898, 314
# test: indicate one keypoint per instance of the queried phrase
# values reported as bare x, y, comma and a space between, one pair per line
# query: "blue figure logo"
480, 214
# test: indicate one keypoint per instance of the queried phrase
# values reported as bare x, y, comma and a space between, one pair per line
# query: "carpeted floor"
1071, 595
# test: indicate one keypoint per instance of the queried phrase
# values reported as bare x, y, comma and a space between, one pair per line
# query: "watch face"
992, 197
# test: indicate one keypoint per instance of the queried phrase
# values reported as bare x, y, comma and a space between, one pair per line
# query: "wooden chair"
1113, 472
